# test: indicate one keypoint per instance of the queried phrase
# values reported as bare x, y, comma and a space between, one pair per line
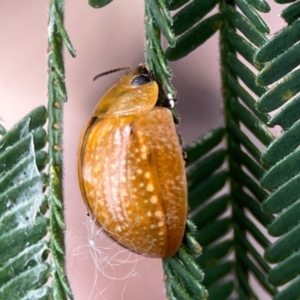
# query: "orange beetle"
131, 170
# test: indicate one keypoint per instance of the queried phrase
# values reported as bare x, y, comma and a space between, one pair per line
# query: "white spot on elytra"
118, 228
158, 213
150, 187
153, 199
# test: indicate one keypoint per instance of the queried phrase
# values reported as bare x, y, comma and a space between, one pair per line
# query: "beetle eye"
140, 80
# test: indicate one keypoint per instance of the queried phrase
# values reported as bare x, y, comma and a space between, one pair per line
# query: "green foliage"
57, 96
154, 50
206, 178
183, 275
99, 3
24, 264
234, 189
280, 58
24, 270
195, 37
241, 32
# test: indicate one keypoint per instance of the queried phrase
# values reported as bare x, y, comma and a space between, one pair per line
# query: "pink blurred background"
104, 39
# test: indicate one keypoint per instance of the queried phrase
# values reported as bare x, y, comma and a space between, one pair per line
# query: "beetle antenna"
128, 68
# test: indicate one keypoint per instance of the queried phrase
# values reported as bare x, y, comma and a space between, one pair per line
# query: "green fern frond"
99, 3
57, 96
24, 271
157, 21
195, 36
206, 179
291, 13
2, 130
280, 56
207, 175
240, 90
